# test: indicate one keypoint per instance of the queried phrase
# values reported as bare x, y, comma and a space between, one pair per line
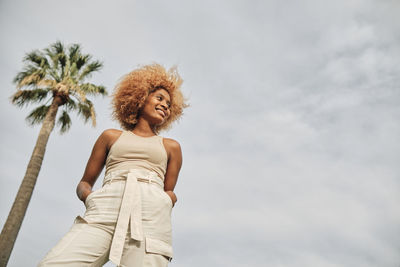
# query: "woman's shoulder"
171, 144
171, 141
109, 136
111, 132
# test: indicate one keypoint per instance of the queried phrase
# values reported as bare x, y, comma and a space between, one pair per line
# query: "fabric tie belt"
131, 207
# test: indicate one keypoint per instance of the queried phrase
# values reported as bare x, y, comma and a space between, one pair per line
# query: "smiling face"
156, 109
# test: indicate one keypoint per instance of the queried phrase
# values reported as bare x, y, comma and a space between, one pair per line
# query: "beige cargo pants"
128, 221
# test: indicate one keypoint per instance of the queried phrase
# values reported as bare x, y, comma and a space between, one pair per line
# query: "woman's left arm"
174, 153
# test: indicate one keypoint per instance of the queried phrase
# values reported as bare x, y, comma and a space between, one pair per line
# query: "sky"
290, 143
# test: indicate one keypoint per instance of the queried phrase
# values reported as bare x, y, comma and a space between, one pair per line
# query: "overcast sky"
291, 144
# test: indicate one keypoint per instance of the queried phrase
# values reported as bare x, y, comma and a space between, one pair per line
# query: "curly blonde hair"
132, 90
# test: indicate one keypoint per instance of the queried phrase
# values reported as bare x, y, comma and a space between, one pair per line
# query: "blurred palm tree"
56, 77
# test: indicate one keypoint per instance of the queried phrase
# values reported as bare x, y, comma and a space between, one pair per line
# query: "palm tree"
57, 77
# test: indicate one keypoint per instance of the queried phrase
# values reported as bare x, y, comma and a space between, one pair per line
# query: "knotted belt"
131, 207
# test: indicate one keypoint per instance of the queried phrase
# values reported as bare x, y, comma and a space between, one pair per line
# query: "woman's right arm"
96, 162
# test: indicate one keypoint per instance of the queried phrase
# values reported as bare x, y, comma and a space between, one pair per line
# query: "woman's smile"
157, 107
161, 112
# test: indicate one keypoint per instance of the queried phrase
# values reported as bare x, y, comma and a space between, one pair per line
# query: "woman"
128, 219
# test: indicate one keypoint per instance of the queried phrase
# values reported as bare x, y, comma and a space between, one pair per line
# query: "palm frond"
86, 110
62, 59
30, 79
56, 53
37, 58
92, 89
82, 60
80, 93
74, 52
53, 57
64, 121
53, 73
23, 97
37, 115
54, 50
89, 69
66, 68
58, 47
31, 75
49, 83
71, 104
73, 71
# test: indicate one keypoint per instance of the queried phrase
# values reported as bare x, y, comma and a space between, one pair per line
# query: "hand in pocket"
173, 197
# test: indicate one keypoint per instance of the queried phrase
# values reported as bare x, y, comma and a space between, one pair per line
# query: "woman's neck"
143, 128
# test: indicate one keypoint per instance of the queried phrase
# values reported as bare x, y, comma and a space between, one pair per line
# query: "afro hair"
132, 90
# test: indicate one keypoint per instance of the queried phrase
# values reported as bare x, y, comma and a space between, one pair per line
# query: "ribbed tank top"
131, 151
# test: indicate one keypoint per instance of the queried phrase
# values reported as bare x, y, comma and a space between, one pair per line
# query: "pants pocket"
169, 199
157, 246
93, 194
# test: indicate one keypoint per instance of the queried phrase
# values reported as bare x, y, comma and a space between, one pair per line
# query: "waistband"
131, 207
142, 175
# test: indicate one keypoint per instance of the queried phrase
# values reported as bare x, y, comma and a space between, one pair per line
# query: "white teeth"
160, 112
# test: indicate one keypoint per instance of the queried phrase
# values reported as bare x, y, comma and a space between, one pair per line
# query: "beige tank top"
131, 151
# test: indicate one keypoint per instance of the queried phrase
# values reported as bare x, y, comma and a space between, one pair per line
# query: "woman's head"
133, 90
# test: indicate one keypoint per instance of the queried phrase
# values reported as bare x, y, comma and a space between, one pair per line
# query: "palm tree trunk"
15, 217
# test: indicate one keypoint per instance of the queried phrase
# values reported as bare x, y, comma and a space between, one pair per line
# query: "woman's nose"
164, 105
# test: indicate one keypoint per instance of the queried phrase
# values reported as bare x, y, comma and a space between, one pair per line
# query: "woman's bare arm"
96, 162
174, 165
